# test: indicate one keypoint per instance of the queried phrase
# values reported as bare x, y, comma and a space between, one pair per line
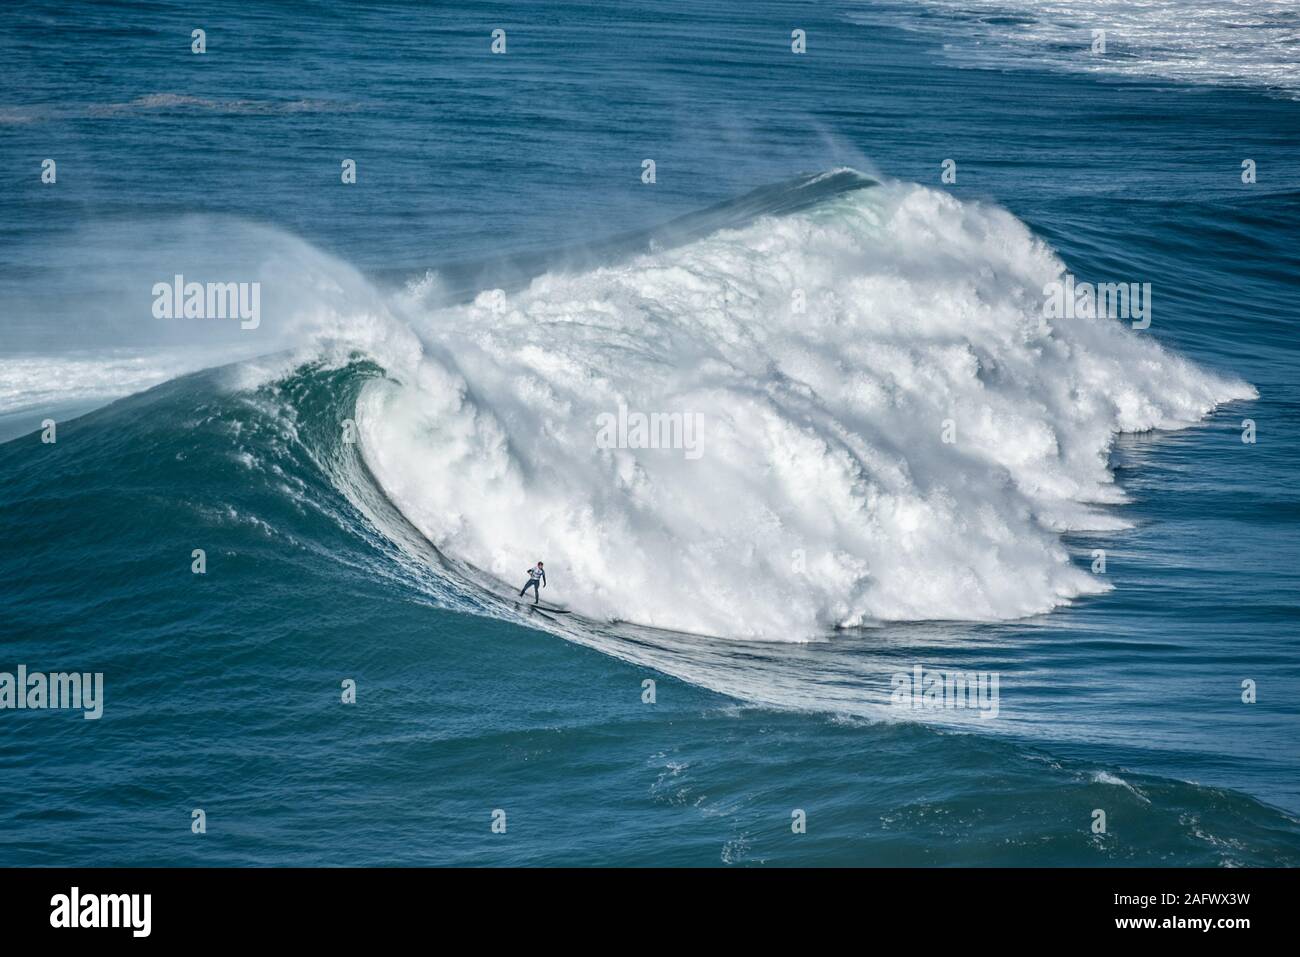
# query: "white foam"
1238, 42
825, 495
38, 381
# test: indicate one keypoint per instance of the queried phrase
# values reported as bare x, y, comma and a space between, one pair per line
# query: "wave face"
909, 445
1247, 43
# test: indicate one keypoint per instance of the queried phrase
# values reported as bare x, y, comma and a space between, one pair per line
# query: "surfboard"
543, 606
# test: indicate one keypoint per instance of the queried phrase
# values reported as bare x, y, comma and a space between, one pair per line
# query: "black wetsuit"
534, 576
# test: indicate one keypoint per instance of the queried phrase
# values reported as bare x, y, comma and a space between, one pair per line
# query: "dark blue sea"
836, 263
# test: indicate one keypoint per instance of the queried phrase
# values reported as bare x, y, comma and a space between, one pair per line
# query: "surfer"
535, 575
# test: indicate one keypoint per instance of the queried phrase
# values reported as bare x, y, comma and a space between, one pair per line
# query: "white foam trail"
1238, 42
825, 494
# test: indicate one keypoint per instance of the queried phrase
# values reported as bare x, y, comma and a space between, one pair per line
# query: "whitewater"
826, 495
1245, 43
891, 430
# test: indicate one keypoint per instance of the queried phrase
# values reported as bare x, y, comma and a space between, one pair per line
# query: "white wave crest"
825, 493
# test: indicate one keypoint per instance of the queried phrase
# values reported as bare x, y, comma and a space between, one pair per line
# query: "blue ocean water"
375, 560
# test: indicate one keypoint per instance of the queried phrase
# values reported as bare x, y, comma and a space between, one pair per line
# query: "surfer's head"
539, 564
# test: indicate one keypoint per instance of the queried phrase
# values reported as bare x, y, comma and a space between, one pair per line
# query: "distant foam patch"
38, 381
1235, 42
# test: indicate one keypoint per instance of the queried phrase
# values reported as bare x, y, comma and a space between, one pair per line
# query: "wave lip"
461, 281
891, 430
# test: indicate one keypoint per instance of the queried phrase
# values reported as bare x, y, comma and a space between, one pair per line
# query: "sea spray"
908, 445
